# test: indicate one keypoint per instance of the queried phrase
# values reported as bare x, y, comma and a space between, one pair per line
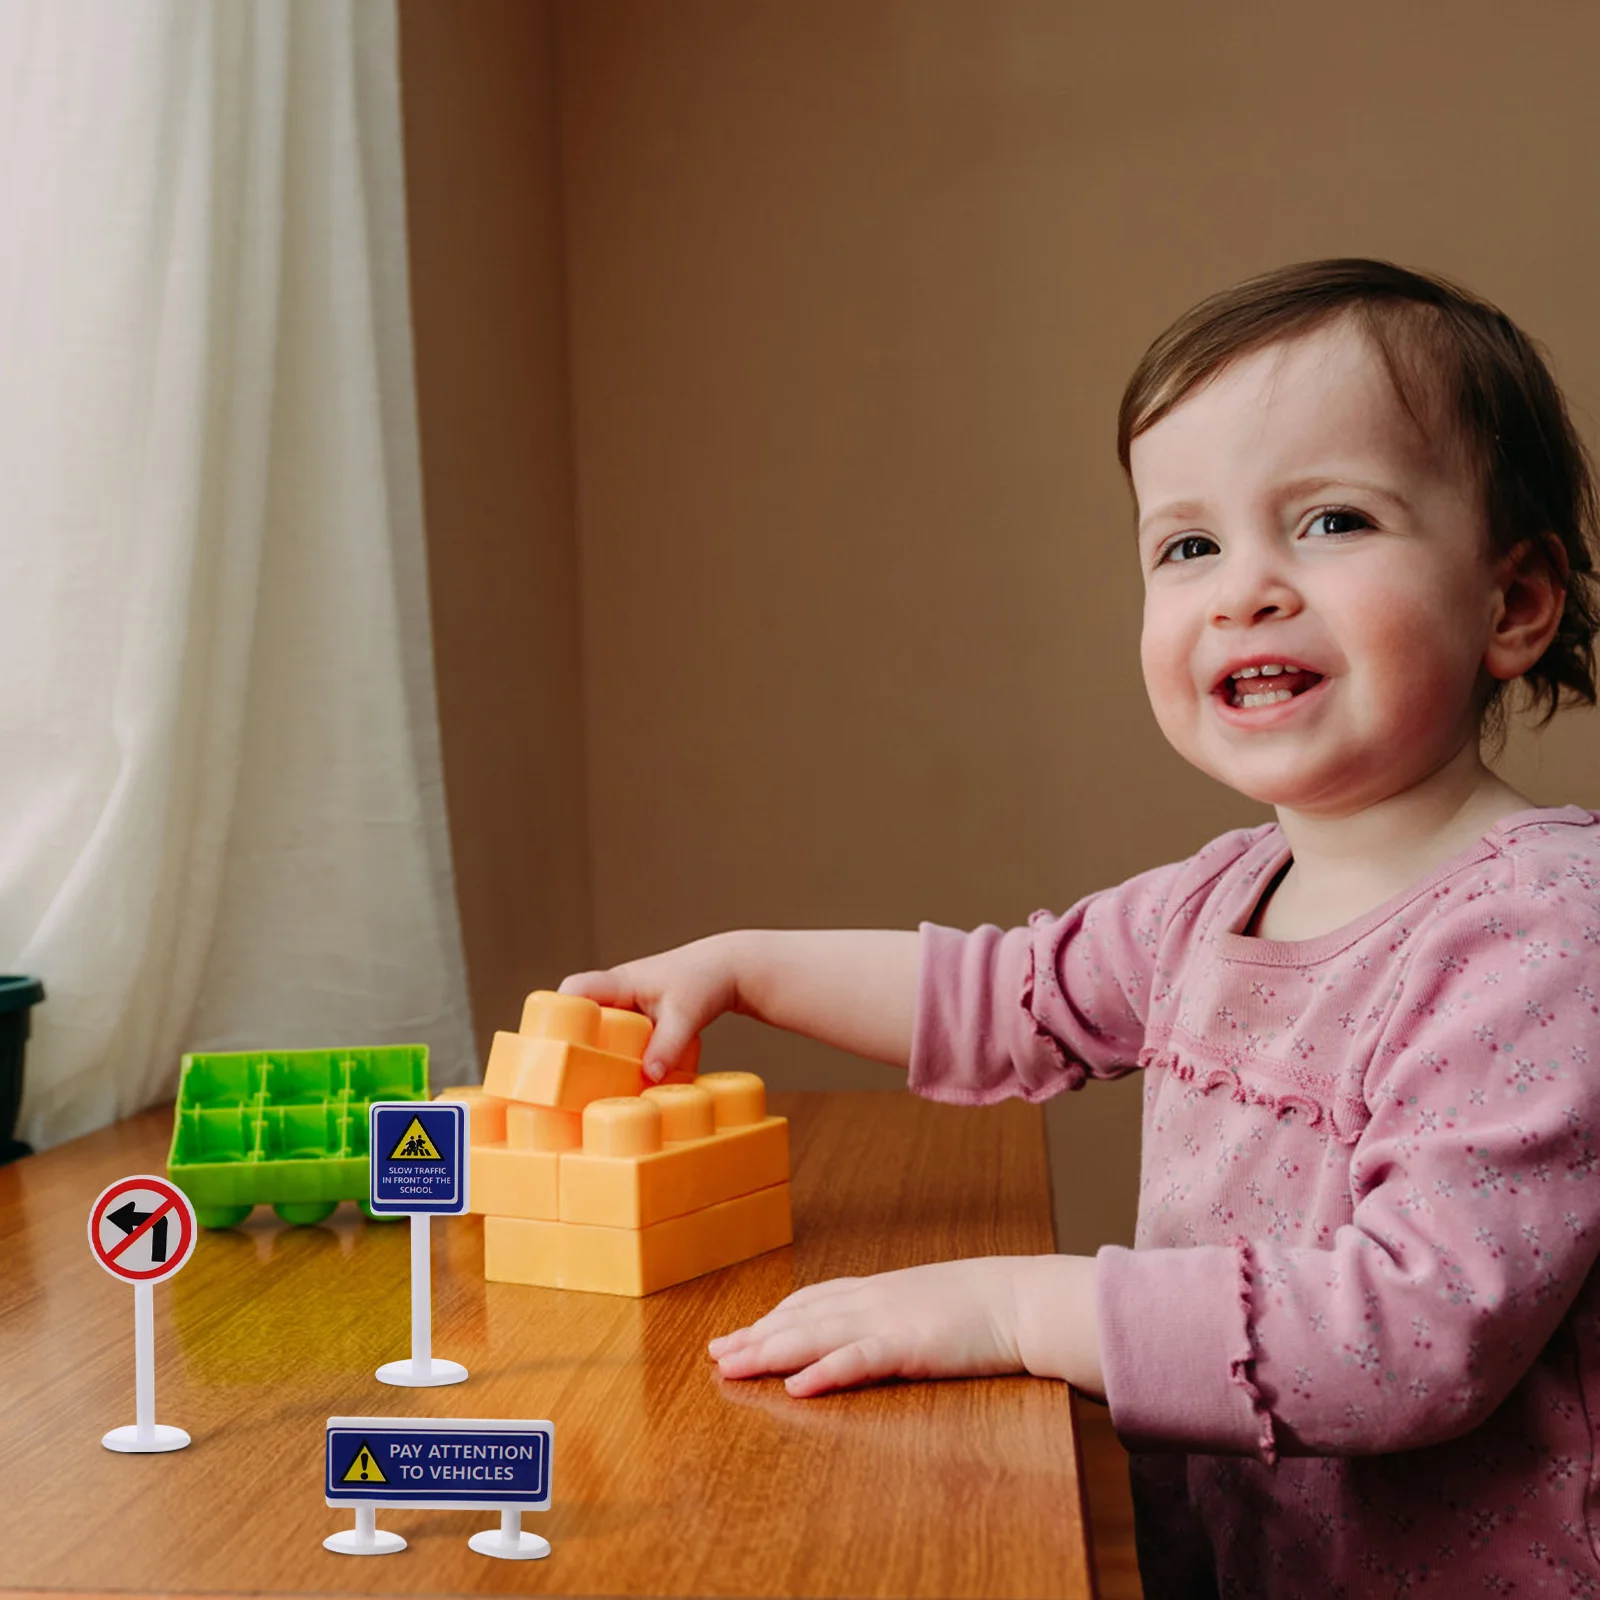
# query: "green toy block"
283, 1128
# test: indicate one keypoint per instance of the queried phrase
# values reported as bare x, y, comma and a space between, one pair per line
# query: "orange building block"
542, 1127
628, 1261
675, 1149
553, 1072
569, 1051
518, 1175
586, 1179
507, 1182
486, 1113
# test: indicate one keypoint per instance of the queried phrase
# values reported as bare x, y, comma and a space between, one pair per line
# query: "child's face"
1290, 514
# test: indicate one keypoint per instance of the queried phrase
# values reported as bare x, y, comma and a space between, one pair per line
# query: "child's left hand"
955, 1319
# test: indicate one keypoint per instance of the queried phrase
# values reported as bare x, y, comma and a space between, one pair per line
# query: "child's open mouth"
1255, 688
1258, 689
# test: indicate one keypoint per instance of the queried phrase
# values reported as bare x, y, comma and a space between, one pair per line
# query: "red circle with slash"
142, 1229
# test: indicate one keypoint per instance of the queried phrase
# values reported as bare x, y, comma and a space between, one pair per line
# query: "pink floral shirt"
1356, 1350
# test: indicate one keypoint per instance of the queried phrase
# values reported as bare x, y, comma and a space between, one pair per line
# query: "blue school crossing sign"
419, 1159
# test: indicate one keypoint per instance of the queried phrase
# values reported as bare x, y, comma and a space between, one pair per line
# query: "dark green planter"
18, 996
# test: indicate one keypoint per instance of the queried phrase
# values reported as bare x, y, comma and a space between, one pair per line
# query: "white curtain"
221, 809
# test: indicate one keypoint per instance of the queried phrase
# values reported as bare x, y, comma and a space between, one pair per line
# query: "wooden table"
667, 1480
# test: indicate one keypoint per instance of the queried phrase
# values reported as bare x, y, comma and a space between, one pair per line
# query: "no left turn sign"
142, 1229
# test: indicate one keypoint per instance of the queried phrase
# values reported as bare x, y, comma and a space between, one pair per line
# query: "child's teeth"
1267, 699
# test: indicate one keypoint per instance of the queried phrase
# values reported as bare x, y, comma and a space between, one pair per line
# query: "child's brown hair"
1439, 342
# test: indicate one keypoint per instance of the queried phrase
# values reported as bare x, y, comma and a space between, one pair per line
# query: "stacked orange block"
586, 1179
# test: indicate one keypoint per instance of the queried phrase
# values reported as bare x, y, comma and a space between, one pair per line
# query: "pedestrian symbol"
364, 1469
415, 1145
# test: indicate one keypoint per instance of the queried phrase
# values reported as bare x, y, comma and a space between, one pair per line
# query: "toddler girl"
1356, 1350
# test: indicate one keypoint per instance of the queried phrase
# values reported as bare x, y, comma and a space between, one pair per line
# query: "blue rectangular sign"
438, 1462
419, 1157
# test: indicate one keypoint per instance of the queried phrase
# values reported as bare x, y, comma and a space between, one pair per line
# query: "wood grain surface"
667, 1480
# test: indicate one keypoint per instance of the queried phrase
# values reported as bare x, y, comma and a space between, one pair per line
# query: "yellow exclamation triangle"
415, 1145
364, 1469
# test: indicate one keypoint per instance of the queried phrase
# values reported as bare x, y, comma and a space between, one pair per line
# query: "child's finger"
687, 1067
787, 1350
802, 1305
851, 1365
670, 1039
754, 1354
779, 1317
608, 986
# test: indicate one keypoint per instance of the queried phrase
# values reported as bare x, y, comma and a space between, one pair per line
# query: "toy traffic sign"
446, 1463
419, 1158
142, 1230
419, 1169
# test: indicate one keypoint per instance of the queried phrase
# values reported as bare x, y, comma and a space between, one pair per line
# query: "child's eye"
1337, 514
1180, 549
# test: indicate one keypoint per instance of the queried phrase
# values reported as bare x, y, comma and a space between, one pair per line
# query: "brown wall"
852, 290
488, 287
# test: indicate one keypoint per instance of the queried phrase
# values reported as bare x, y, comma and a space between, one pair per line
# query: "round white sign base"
414, 1375
132, 1440
493, 1542
352, 1542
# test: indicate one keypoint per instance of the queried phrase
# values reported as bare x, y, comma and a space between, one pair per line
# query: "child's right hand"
853, 988
681, 991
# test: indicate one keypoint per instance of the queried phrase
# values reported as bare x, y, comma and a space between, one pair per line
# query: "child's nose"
1251, 587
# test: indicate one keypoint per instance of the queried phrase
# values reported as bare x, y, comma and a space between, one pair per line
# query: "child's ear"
1531, 592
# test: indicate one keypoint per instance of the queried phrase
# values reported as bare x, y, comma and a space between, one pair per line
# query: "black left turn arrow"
128, 1217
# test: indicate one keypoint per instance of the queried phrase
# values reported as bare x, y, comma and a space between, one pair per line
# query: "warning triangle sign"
415, 1145
364, 1469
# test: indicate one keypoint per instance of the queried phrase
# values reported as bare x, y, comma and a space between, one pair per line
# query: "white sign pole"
421, 1297
144, 1365
421, 1371
146, 1436
366, 1538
